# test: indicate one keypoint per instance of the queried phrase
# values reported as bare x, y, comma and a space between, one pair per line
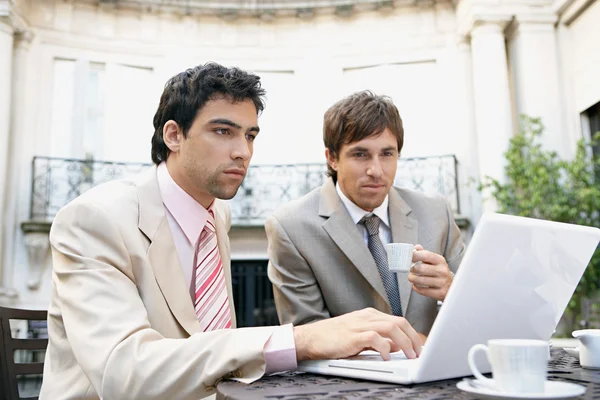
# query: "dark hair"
186, 93
357, 117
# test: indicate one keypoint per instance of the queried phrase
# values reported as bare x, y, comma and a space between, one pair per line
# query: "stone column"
493, 114
16, 143
534, 70
470, 197
6, 57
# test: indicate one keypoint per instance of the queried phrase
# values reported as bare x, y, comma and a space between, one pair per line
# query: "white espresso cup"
400, 256
518, 365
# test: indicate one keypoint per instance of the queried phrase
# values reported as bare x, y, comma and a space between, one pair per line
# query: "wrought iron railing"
56, 181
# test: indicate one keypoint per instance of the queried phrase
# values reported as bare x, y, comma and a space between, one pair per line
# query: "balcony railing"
57, 181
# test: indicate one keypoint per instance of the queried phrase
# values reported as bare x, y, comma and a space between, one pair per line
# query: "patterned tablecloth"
301, 386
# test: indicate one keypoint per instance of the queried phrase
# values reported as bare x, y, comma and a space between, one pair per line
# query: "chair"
10, 371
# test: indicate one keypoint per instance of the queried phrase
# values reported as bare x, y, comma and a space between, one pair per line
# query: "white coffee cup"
400, 256
518, 365
589, 351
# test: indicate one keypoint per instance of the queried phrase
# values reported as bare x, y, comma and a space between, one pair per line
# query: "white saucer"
554, 390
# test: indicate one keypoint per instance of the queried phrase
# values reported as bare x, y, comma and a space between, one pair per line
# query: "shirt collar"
357, 213
190, 215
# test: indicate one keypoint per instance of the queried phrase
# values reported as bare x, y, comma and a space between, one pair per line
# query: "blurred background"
80, 81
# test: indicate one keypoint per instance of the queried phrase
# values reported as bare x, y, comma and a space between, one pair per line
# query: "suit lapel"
162, 252
342, 230
404, 230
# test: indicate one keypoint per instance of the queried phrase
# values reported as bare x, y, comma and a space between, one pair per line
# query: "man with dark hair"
327, 250
141, 299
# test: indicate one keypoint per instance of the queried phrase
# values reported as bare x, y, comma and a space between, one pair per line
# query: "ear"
172, 135
331, 159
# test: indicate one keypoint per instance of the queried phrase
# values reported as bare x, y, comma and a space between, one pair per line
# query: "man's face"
212, 161
366, 169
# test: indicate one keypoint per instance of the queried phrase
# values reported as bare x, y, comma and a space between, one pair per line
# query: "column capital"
486, 24
480, 22
11, 19
532, 22
463, 41
23, 39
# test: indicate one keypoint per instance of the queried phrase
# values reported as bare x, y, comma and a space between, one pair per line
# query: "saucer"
554, 390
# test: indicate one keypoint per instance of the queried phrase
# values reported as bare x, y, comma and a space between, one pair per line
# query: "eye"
250, 137
359, 154
222, 131
389, 154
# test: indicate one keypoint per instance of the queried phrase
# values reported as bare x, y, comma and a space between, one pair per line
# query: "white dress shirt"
357, 213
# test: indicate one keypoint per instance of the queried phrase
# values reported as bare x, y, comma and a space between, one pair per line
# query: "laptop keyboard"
374, 356
372, 361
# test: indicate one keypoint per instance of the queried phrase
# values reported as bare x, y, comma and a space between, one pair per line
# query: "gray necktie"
390, 282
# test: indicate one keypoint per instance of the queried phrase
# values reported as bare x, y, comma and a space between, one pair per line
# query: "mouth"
235, 172
374, 186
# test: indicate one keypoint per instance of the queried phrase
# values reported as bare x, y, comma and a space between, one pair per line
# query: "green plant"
539, 184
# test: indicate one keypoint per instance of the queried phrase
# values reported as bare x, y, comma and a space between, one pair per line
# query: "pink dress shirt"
186, 219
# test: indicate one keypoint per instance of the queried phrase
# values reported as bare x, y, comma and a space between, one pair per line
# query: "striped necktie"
389, 279
211, 301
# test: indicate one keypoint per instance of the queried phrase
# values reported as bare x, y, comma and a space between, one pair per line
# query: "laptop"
515, 281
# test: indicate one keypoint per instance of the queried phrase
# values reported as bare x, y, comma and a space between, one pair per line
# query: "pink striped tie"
211, 302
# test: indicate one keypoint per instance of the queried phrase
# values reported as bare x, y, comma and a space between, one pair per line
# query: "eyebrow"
228, 122
357, 148
366, 150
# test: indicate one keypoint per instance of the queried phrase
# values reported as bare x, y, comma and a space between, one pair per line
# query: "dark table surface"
301, 386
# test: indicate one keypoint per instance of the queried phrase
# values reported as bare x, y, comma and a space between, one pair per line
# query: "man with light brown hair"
327, 249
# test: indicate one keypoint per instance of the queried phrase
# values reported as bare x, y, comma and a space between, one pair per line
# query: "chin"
370, 205
225, 193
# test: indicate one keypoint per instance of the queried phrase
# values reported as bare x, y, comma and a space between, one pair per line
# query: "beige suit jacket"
121, 322
321, 267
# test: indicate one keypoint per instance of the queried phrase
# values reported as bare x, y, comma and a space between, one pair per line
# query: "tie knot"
210, 222
371, 222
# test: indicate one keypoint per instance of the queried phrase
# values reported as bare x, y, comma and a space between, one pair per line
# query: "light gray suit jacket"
321, 267
121, 321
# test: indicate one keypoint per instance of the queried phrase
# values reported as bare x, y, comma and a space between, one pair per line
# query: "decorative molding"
11, 17
8, 296
38, 245
266, 10
572, 10
6, 26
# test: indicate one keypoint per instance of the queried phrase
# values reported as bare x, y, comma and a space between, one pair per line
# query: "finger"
393, 346
438, 270
375, 341
436, 294
425, 269
420, 280
409, 331
428, 257
391, 330
372, 318
418, 247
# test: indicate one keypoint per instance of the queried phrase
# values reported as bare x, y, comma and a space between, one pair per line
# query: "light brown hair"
357, 117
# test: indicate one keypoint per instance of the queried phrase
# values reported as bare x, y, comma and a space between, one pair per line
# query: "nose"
374, 170
242, 149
